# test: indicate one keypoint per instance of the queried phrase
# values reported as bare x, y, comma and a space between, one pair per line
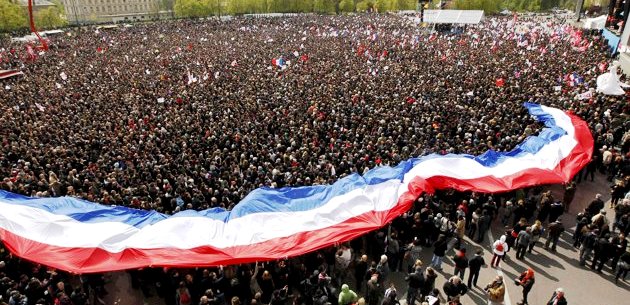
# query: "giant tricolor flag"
82, 236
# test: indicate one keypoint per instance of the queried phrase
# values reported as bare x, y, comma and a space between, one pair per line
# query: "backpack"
184, 297
500, 247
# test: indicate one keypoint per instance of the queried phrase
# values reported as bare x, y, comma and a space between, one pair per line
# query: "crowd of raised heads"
194, 114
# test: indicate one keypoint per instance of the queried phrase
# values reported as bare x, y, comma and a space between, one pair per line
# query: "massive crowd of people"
190, 114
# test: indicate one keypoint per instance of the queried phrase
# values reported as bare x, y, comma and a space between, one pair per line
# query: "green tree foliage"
12, 16
201, 8
52, 17
363, 6
346, 6
195, 8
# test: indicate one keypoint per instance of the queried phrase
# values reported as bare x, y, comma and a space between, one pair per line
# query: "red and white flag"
9, 73
31, 52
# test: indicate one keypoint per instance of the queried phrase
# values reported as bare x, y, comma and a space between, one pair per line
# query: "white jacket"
500, 241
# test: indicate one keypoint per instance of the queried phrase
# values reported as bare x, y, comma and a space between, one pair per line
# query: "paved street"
560, 269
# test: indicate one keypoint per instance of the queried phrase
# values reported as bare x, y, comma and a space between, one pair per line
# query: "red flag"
30, 52
410, 100
304, 57
500, 82
361, 50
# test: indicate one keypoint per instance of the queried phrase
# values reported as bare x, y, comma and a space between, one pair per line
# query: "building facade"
91, 11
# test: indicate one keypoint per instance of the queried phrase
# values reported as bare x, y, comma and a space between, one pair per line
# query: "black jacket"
440, 248
561, 301
451, 289
416, 280
475, 263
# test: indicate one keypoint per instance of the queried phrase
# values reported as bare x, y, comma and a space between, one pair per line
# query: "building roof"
453, 16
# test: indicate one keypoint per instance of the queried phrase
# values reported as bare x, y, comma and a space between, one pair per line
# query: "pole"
421, 10
578, 9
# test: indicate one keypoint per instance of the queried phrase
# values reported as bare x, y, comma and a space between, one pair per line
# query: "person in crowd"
623, 266
360, 269
589, 243
536, 231
429, 282
622, 211
374, 290
347, 296
523, 241
499, 249
595, 206
617, 191
454, 288
391, 295
415, 282
484, 225
475, 264
439, 250
507, 213
460, 230
496, 291
569, 194
383, 269
461, 262
414, 251
619, 244
545, 206
600, 220
558, 298
603, 251
474, 223
393, 252
555, 211
554, 231
183, 296
581, 227
526, 280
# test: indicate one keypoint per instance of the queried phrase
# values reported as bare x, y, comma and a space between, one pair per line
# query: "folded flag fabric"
9, 73
82, 237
